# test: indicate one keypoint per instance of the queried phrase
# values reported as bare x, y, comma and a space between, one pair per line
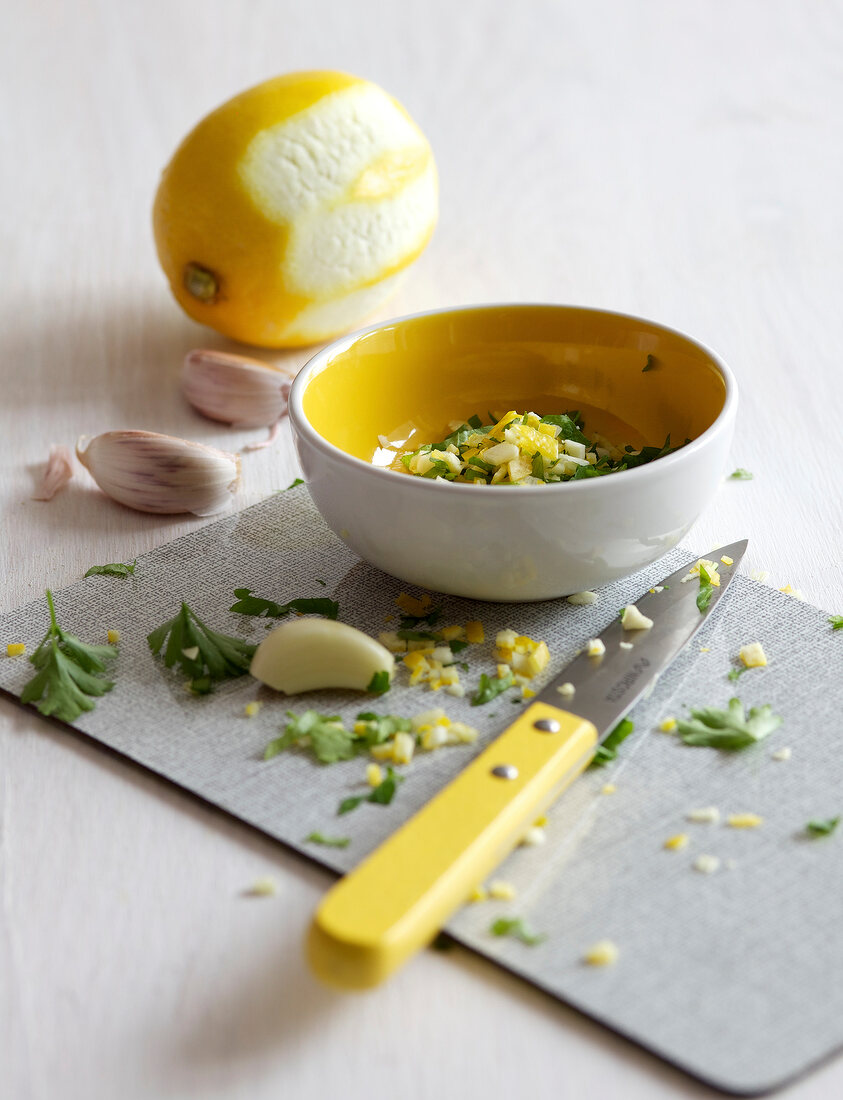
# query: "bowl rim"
302, 425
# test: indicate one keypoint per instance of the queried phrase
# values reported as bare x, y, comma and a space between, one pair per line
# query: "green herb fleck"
113, 569
608, 750
69, 672
457, 646
293, 484
327, 736
247, 604
379, 683
706, 589
489, 688
518, 929
382, 795
740, 475
836, 622
201, 653
736, 672
730, 729
823, 827
328, 841
649, 365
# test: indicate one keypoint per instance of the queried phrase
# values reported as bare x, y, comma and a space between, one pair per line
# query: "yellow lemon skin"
286, 216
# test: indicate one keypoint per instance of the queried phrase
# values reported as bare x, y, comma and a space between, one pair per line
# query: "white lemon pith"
307, 654
317, 213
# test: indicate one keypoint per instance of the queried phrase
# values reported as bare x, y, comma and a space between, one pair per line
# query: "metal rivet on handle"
547, 725
505, 771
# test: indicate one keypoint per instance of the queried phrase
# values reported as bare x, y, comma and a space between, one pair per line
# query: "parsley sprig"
247, 604
729, 729
69, 672
202, 654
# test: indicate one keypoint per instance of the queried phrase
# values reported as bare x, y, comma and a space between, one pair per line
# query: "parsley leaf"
488, 688
706, 589
518, 929
569, 429
68, 672
379, 683
247, 604
382, 795
823, 827
201, 653
381, 728
608, 750
730, 729
328, 841
836, 622
408, 622
457, 646
113, 569
740, 475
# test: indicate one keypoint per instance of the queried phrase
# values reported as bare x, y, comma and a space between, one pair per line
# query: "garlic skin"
235, 389
160, 473
57, 473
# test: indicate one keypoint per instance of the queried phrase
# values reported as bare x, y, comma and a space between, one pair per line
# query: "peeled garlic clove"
235, 389
57, 473
307, 654
160, 473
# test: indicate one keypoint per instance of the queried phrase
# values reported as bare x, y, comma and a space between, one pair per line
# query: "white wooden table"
683, 163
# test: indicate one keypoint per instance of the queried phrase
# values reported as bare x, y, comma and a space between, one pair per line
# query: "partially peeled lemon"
289, 214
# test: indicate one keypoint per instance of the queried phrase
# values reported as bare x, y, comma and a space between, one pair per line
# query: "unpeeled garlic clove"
160, 473
235, 389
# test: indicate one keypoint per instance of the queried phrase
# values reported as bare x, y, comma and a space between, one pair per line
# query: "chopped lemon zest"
113, 637
676, 842
15, 649
374, 775
251, 709
744, 821
667, 725
501, 891
602, 953
475, 633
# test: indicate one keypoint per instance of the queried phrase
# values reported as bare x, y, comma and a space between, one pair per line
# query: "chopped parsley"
113, 569
247, 604
489, 688
518, 929
328, 841
382, 795
823, 827
740, 475
836, 622
327, 736
69, 672
201, 653
730, 729
544, 452
736, 672
706, 589
293, 484
649, 365
608, 750
379, 683
431, 617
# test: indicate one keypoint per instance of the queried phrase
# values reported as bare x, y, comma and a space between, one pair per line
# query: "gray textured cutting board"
734, 976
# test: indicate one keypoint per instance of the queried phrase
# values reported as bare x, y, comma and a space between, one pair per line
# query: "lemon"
289, 214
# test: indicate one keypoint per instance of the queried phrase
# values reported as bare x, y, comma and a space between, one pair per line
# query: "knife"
396, 901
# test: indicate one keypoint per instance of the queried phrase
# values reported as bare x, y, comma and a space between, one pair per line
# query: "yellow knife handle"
396, 901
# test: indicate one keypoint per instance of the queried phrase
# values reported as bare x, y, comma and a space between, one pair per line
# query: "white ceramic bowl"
512, 543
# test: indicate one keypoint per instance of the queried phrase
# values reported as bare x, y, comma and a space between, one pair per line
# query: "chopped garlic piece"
113, 637
707, 865
567, 690
192, 652
753, 655
582, 599
744, 821
251, 709
705, 649
402, 748
667, 725
540, 822
374, 775
677, 842
382, 752
608, 788
15, 649
760, 575
602, 953
265, 887
626, 645
479, 893
789, 591
727, 560
595, 648
534, 837
781, 754
707, 815
501, 891
632, 619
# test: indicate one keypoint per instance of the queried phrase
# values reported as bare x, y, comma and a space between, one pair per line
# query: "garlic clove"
160, 473
57, 473
234, 388
307, 654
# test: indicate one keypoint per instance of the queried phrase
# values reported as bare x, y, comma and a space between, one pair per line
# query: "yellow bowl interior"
408, 379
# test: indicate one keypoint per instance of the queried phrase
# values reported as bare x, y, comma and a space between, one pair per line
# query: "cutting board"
732, 976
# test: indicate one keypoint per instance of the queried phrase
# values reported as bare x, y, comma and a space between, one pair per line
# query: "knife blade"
398, 898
